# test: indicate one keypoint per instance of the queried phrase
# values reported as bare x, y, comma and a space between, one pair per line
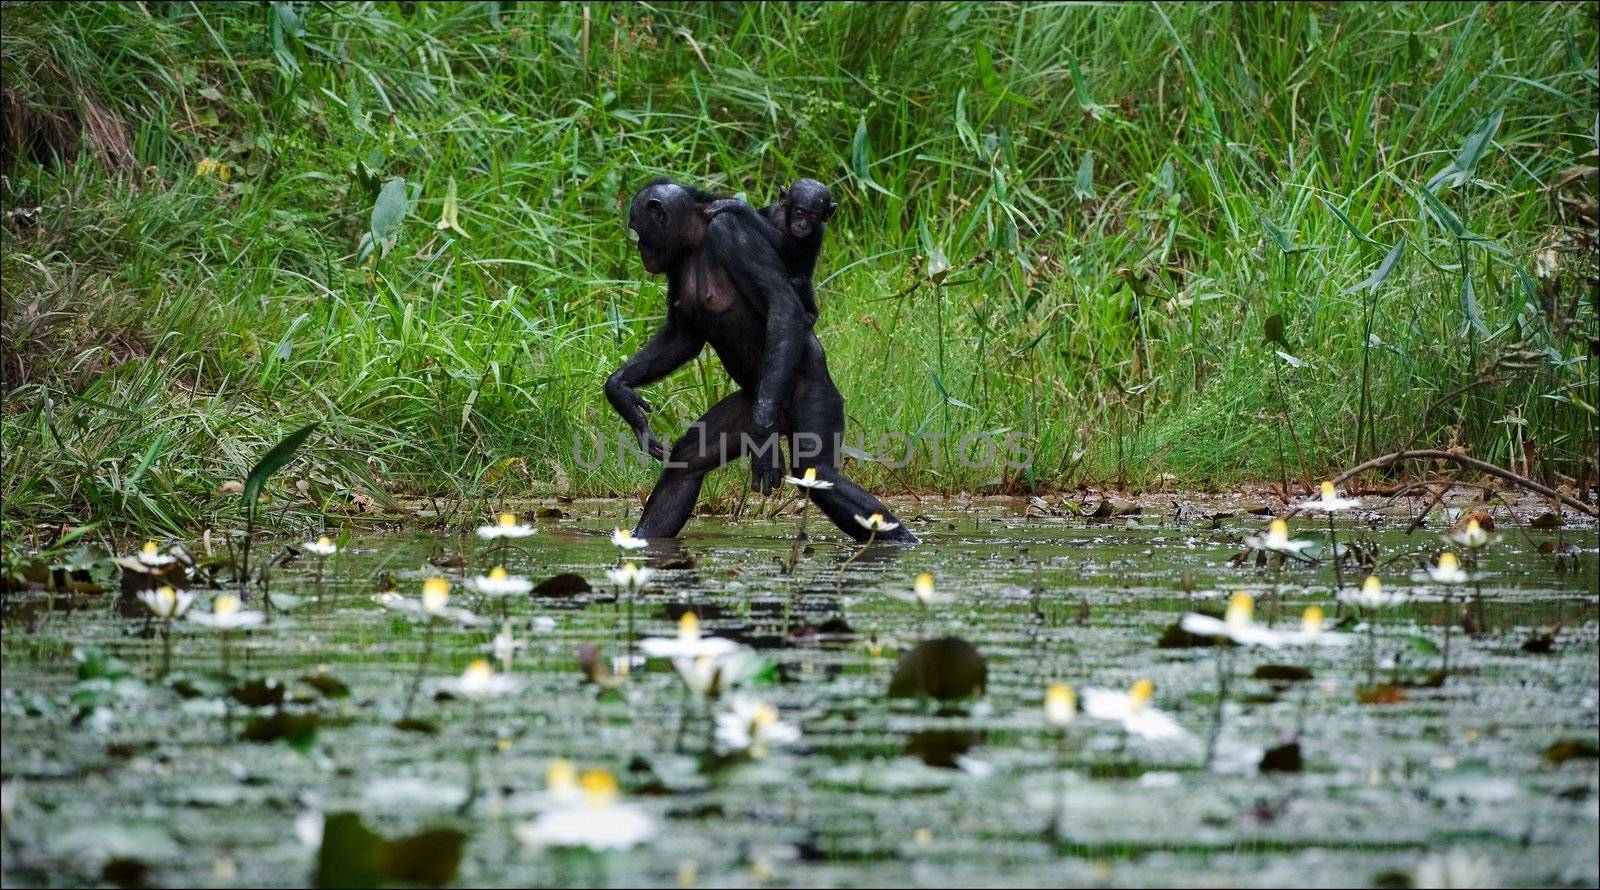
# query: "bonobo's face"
806, 205
651, 223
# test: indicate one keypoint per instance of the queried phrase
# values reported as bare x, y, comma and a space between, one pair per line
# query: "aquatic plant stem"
1224, 675
422, 663
799, 536
1372, 650
1449, 619
166, 648
1333, 548
1058, 813
872, 535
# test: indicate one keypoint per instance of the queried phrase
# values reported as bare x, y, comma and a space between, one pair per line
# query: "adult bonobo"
726, 287
797, 222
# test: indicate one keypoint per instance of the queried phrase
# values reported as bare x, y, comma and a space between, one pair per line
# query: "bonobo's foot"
901, 535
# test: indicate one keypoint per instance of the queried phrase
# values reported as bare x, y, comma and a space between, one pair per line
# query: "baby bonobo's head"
806, 205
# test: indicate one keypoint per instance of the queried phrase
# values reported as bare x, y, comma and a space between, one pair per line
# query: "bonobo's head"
806, 206
666, 219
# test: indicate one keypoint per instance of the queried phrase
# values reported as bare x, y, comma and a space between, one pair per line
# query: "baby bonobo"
799, 221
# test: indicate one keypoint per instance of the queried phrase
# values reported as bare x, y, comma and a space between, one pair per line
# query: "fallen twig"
1470, 463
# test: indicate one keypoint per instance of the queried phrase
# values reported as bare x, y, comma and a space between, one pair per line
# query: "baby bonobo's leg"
818, 415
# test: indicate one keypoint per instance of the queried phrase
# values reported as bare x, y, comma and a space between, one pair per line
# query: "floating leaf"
1282, 673
1285, 758
1571, 749
326, 685
258, 693
298, 730
947, 668
353, 855
564, 584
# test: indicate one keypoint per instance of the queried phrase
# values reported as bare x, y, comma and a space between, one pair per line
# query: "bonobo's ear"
783, 196
827, 213
658, 210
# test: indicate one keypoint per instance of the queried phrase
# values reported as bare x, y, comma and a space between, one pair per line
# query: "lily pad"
947, 668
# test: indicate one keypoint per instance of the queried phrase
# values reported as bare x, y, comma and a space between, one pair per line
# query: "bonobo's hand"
633, 407
766, 469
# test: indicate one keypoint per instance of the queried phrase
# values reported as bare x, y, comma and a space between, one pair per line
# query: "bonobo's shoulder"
735, 220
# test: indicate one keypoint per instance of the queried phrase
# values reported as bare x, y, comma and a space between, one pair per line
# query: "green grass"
162, 328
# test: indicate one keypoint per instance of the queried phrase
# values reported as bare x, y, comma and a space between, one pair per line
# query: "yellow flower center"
1241, 609
507, 520
168, 597
1448, 562
1328, 493
810, 474
624, 534
1060, 703
150, 548
1278, 532
435, 593
560, 775
875, 520
599, 786
688, 626
225, 605
478, 673
924, 587
1372, 586
1139, 694
498, 573
1311, 621
324, 541
765, 715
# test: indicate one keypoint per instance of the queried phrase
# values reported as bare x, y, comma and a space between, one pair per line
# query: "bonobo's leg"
817, 419
713, 440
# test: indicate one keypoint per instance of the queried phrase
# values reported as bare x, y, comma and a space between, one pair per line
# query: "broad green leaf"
273, 461
860, 159
1360, 235
1084, 186
388, 212
1375, 280
1469, 308
1274, 330
450, 217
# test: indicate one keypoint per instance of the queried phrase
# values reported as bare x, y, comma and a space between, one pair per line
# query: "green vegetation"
1074, 223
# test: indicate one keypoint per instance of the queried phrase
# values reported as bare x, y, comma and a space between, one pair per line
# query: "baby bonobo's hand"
716, 207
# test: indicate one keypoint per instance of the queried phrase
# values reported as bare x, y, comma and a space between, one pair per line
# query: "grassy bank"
1072, 223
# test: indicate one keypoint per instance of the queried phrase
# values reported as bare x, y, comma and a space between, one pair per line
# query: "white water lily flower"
876, 523
1132, 710
500, 583
688, 643
166, 602
709, 675
152, 556
810, 480
922, 593
752, 726
1448, 571
479, 682
308, 828
505, 645
1329, 501
1060, 705
629, 576
505, 526
1372, 597
225, 614
1471, 536
322, 546
434, 603
624, 539
597, 822
1277, 539
1454, 869
1238, 625
1314, 629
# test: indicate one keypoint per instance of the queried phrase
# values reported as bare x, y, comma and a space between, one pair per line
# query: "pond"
122, 778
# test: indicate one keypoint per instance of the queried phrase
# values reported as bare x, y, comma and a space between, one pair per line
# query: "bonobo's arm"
670, 349
739, 244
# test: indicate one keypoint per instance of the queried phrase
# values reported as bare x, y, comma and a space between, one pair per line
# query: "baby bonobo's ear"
826, 214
